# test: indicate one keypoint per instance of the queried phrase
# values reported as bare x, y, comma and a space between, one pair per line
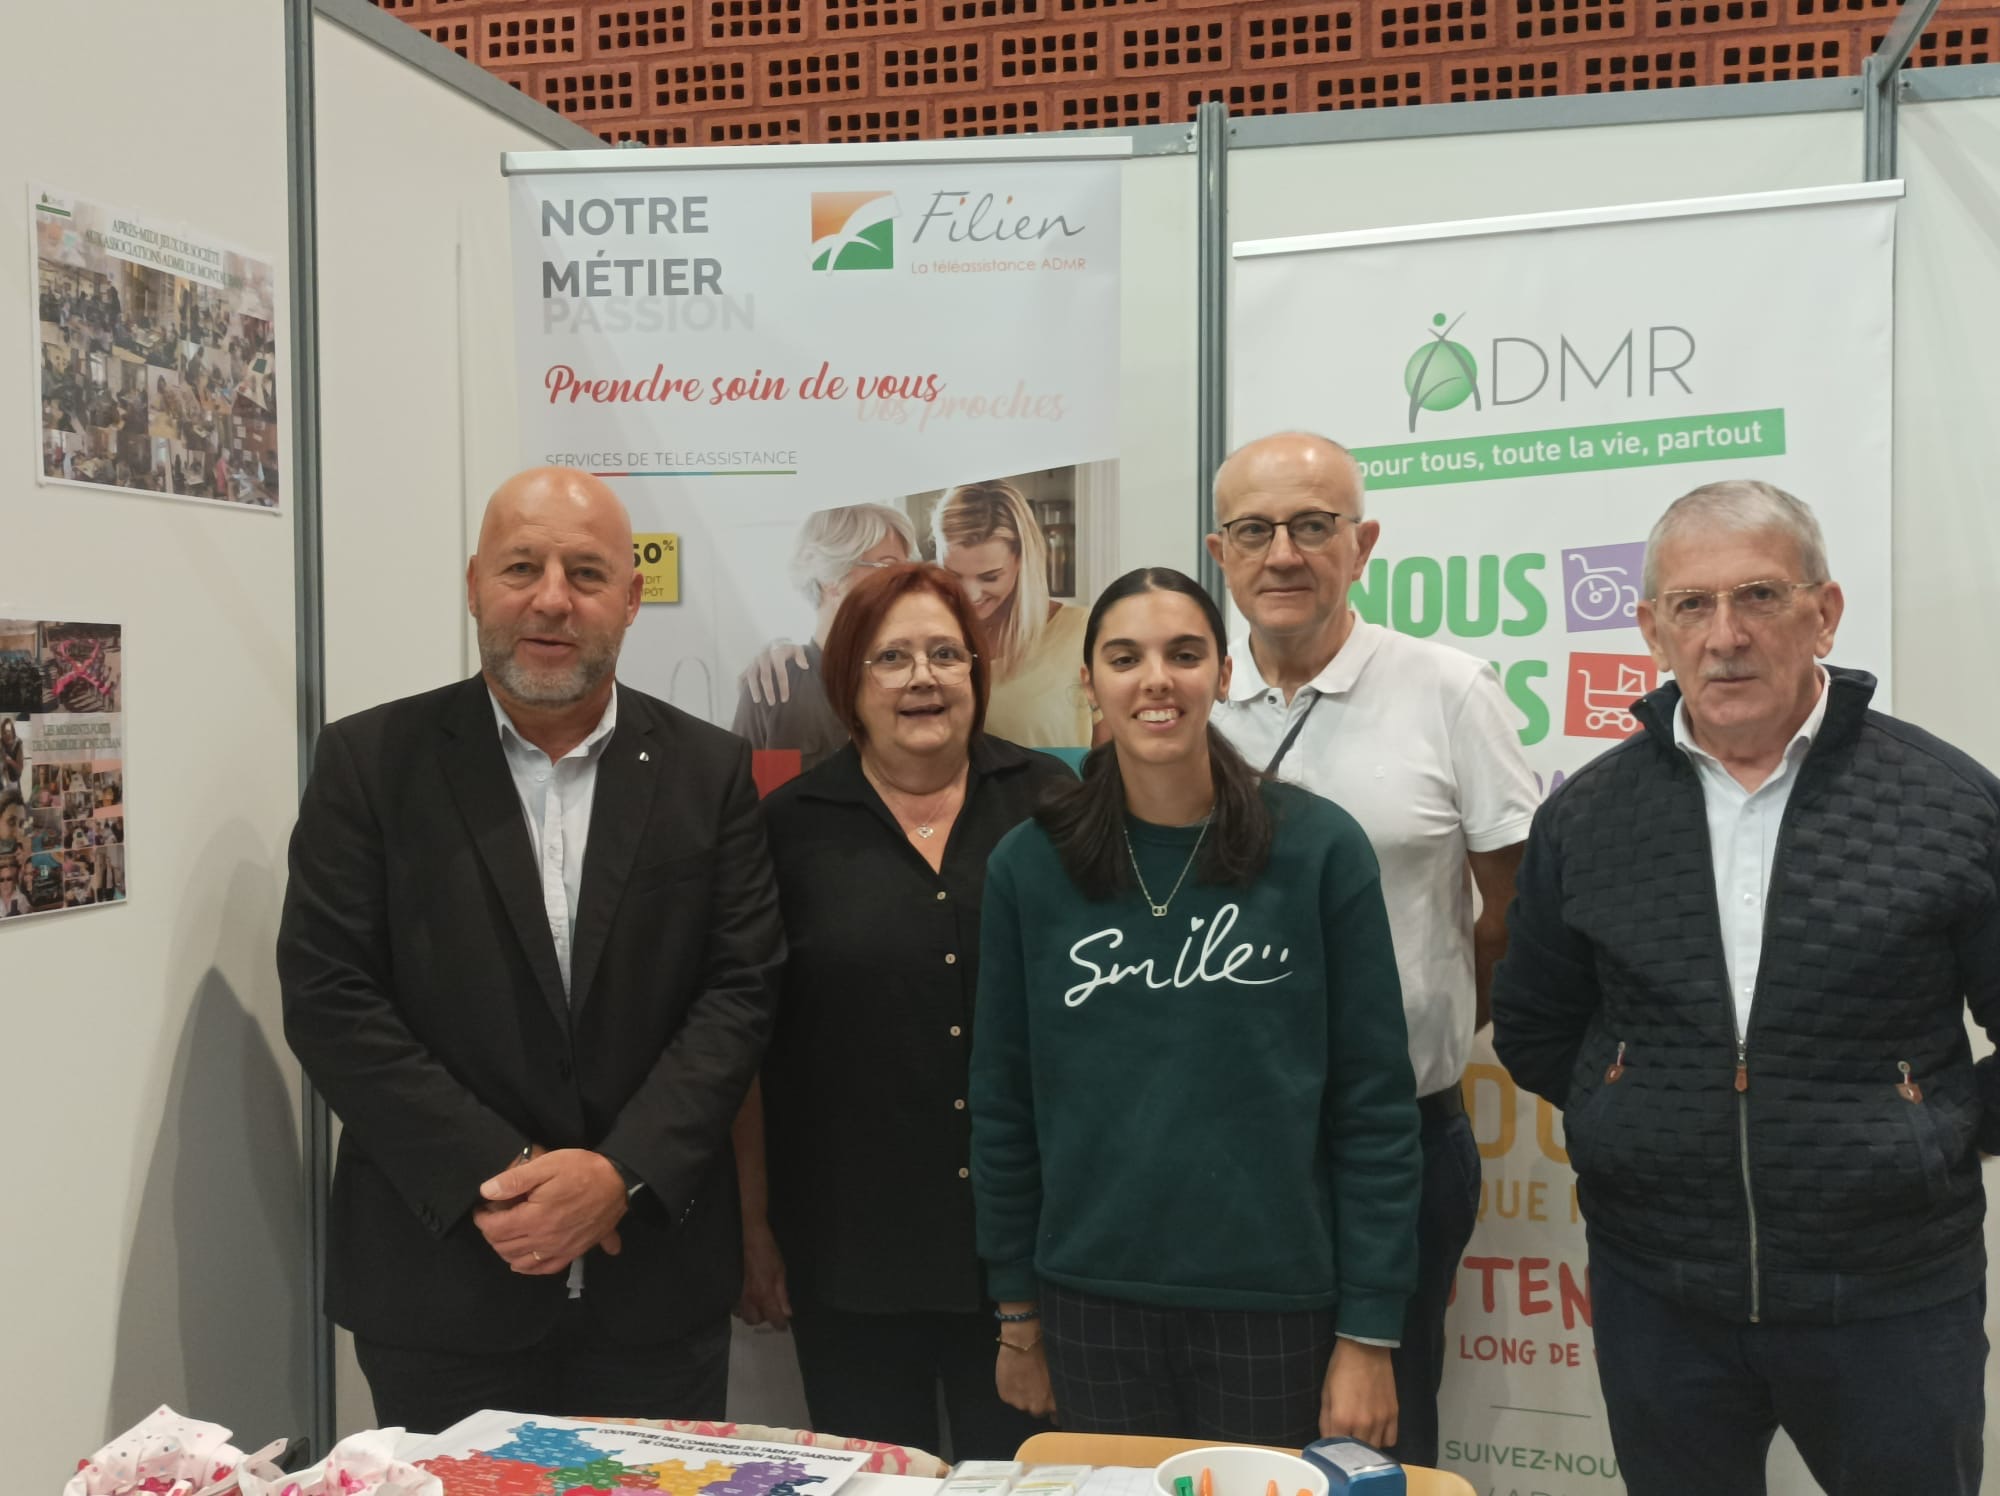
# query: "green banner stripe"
1575, 449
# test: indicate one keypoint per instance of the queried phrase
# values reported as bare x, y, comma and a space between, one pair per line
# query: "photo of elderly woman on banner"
1017, 559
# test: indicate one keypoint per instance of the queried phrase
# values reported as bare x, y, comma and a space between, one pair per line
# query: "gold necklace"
1160, 910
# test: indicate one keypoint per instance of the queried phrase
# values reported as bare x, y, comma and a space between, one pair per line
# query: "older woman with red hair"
862, 1237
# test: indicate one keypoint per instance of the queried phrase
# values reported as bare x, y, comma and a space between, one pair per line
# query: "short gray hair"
1737, 505
1353, 466
832, 540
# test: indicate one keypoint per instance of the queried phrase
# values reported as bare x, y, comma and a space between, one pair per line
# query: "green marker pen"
1183, 1485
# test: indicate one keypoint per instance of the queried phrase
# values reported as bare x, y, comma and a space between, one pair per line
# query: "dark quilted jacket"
1812, 1189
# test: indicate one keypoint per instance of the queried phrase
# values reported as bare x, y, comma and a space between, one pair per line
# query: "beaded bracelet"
1015, 1319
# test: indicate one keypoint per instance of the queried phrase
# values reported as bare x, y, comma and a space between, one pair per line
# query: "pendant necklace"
1160, 910
926, 826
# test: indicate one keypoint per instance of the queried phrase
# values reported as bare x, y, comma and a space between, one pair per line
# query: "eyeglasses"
896, 666
1310, 529
1692, 607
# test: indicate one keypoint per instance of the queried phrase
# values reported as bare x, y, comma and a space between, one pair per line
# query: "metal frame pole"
1881, 87
310, 637
1211, 342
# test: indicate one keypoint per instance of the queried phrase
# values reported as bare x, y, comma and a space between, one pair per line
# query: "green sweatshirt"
1213, 1109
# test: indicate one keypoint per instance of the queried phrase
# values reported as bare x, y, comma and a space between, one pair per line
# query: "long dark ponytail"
1086, 821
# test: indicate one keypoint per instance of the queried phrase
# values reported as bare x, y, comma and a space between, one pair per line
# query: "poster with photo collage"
62, 766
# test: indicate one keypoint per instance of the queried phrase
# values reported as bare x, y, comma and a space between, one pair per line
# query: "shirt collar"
1794, 750
1247, 683
510, 734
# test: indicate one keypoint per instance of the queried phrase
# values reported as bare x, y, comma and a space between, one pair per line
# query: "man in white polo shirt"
1416, 742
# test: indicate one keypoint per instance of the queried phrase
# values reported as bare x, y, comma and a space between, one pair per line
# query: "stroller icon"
1610, 706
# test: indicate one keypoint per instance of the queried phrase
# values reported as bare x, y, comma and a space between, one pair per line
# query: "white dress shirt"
556, 798
1742, 835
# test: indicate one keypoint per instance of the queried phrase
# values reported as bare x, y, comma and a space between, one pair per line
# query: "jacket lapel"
620, 811
476, 769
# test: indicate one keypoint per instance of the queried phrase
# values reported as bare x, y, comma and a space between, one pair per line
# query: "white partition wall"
1947, 514
154, 1245
416, 367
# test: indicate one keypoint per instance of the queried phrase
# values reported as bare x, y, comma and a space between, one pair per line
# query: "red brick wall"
736, 72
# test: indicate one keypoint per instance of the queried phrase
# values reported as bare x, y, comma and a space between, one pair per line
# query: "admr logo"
853, 231
1441, 374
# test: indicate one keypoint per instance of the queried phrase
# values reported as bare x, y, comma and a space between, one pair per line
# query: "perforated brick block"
1818, 54
1049, 54
1084, 9
679, 132
735, 22
1016, 112
1507, 76
794, 74
1843, 10
872, 124
930, 66
715, 79
457, 35
1433, 26
395, 5
1631, 69
748, 128
1949, 45
1366, 87
859, 19
590, 92
631, 30
1667, 17
517, 38
987, 12
1570, 20
1185, 46
1252, 97
1288, 35
1114, 109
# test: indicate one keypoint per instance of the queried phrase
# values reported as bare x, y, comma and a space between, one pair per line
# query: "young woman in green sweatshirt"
1195, 1152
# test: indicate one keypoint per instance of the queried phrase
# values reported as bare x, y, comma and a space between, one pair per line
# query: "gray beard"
543, 687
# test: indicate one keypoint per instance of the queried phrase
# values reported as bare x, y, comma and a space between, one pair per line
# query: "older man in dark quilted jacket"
1741, 952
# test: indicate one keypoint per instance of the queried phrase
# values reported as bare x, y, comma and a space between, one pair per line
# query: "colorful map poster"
515, 1454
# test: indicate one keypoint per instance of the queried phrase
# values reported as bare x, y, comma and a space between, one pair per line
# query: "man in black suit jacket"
529, 956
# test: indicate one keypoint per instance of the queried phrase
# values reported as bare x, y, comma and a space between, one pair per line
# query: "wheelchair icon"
1599, 594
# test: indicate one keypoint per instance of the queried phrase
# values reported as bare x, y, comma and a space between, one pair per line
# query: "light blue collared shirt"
1742, 836
556, 799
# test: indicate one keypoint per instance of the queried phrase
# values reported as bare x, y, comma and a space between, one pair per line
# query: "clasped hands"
544, 1211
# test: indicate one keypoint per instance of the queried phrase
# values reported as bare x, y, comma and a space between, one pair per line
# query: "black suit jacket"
422, 995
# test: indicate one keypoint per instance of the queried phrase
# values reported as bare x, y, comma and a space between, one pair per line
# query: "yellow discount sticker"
658, 558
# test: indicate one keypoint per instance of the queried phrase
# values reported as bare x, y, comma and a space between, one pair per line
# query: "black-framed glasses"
1310, 529
1694, 607
897, 666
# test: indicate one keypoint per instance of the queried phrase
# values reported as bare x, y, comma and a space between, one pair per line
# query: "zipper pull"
1742, 1067
1617, 1066
1909, 1090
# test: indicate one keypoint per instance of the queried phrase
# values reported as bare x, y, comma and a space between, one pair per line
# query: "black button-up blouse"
868, 1138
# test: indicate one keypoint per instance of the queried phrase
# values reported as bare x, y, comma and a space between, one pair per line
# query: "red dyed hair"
844, 657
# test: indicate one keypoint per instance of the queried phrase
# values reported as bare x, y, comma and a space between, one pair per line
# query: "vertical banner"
62, 766
792, 374
1526, 396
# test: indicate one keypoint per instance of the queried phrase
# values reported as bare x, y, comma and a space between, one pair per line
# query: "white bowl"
1239, 1470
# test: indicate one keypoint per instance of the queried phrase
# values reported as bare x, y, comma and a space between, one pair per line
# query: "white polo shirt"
1415, 741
